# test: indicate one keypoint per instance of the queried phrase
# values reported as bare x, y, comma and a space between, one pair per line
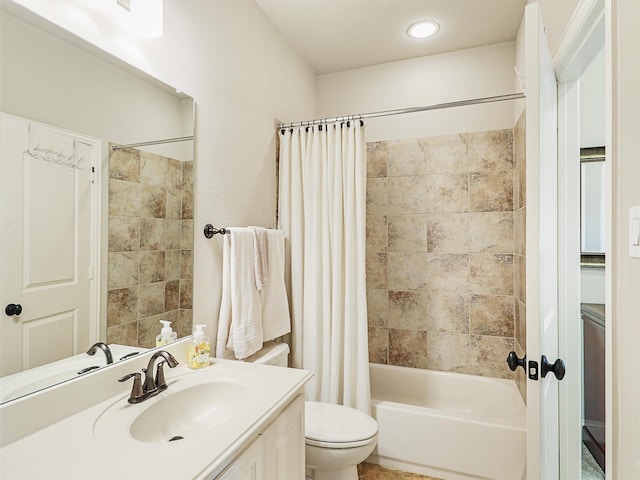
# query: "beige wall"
625, 271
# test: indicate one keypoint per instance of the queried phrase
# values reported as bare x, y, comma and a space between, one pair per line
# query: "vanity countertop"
72, 447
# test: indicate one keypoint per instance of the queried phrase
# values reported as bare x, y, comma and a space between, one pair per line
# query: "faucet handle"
161, 384
137, 395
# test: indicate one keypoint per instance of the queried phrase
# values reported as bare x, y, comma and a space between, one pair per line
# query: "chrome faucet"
102, 346
151, 387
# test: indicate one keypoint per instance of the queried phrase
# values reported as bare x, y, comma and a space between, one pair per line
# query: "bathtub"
448, 425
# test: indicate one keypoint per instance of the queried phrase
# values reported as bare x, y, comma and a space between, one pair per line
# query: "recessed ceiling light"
423, 29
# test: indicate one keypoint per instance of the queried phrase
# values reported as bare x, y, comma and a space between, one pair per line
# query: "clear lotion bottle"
198, 349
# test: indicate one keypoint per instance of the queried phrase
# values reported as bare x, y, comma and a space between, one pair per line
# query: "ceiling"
336, 35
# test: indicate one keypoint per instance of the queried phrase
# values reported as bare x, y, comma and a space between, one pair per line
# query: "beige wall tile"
153, 169
173, 234
377, 307
174, 203
186, 294
491, 191
152, 234
124, 198
124, 334
488, 356
491, 232
377, 238
446, 154
186, 264
173, 178
122, 270
491, 315
122, 306
520, 275
407, 233
408, 348
490, 151
377, 158
186, 242
407, 310
185, 322
448, 233
187, 176
148, 329
376, 270
447, 273
377, 196
520, 231
172, 265
491, 274
448, 352
150, 299
187, 205
124, 234
152, 267
124, 164
172, 295
406, 157
406, 195
153, 201
406, 271
447, 312
447, 193
378, 345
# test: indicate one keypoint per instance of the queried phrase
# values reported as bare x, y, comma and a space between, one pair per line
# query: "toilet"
337, 438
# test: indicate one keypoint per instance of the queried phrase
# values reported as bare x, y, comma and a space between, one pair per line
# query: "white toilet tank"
271, 354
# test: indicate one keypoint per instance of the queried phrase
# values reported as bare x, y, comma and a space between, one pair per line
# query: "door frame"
582, 38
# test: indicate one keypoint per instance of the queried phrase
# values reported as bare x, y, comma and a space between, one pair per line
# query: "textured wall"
150, 261
441, 251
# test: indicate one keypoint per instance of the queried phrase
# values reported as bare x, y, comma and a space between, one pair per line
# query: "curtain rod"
385, 113
153, 142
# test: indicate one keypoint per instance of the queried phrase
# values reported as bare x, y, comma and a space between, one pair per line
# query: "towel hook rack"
210, 230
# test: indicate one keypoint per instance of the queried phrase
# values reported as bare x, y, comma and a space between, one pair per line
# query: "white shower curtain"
322, 212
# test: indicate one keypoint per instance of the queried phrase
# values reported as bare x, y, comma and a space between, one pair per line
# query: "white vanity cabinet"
277, 453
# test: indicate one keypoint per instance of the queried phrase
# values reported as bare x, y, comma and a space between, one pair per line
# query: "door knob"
13, 309
514, 362
556, 367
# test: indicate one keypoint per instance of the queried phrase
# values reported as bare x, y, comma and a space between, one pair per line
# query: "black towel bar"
210, 230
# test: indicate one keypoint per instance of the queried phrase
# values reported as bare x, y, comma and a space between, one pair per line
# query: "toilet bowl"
337, 438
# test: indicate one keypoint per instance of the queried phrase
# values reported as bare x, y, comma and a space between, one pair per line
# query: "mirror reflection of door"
49, 204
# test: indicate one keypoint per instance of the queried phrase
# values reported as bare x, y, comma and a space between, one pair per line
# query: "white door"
541, 249
48, 243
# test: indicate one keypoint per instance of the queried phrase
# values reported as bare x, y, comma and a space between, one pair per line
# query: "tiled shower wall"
441, 252
150, 261
519, 206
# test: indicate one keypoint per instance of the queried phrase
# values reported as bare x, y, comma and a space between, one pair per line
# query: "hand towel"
260, 256
240, 310
275, 305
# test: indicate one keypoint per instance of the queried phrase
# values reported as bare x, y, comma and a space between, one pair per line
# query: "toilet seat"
336, 426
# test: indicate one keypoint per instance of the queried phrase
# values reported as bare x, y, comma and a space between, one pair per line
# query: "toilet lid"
337, 424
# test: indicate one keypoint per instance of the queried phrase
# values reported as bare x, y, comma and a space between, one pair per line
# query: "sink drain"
177, 437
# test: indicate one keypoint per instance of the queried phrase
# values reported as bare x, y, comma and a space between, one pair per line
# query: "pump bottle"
198, 349
166, 335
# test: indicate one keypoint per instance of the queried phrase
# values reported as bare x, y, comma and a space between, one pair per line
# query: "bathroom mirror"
143, 218
592, 205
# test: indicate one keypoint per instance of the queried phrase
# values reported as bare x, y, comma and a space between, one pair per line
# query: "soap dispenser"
198, 349
166, 335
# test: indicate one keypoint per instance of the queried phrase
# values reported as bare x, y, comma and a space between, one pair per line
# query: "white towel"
240, 320
275, 305
260, 256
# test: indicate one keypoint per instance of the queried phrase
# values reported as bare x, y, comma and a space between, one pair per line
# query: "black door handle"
13, 309
556, 367
514, 362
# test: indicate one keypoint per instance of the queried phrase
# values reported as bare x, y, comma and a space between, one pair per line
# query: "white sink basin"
193, 404
185, 412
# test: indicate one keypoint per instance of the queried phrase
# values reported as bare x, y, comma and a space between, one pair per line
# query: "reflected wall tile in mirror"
124, 234
187, 235
172, 295
151, 299
153, 201
186, 264
186, 294
122, 306
187, 204
187, 176
172, 265
124, 334
173, 179
123, 269
185, 322
173, 234
152, 234
124, 198
174, 203
124, 164
152, 267
153, 169
148, 329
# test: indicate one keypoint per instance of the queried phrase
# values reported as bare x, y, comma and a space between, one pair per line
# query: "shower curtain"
322, 185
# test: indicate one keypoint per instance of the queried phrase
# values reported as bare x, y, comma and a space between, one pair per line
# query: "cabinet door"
284, 444
248, 466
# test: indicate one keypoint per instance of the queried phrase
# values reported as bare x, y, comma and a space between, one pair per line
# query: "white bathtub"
448, 425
